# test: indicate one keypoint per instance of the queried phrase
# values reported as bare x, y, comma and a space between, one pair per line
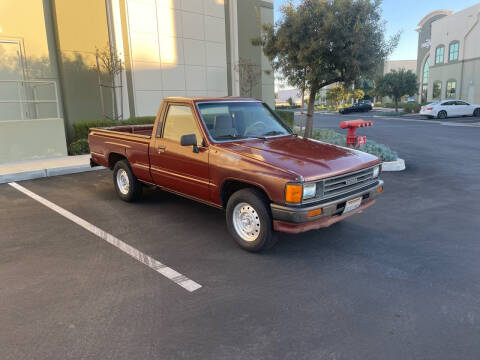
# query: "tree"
336, 94
367, 85
321, 42
290, 101
358, 94
397, 84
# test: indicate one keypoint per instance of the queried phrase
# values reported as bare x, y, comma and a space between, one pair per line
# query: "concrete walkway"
33, 169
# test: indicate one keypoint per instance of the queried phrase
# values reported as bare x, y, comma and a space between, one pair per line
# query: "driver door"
178, 167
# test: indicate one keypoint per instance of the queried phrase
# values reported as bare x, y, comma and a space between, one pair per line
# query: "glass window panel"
453, 53
180, 121
451, 89
439, 52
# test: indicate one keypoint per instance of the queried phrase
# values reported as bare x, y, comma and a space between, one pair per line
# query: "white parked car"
450, 108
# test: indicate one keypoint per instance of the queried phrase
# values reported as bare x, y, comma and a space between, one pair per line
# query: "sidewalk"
34, 169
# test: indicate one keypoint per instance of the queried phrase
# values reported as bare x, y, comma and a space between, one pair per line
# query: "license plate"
352, 205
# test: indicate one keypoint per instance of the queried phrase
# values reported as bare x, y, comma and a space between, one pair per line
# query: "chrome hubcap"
246, 221
123, 182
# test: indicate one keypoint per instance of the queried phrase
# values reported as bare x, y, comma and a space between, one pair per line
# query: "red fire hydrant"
352, 125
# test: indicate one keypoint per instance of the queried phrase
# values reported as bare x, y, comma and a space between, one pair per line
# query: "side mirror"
189, 140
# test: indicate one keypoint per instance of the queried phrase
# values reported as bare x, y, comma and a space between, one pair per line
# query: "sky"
404, 15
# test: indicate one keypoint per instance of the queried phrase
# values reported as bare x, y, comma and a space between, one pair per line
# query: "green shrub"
412, 107
79, 147
83, 127
371, 147
286, 116
286, 107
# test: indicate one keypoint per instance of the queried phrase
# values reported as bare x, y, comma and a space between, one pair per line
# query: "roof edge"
427, 17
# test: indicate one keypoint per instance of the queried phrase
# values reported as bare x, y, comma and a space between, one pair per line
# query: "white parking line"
156, 265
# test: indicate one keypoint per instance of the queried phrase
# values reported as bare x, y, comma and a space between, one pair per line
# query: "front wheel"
249, 220
126, 183
476, 112
442, 114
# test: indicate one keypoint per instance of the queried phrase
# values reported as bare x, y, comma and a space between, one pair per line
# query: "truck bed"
145, 130
129, 141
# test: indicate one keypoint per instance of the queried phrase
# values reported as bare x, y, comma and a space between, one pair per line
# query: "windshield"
233, 120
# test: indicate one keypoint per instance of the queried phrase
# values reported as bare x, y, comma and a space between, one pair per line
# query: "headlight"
376, 171
309, 190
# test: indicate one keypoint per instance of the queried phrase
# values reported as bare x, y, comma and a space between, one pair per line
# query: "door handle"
161, 148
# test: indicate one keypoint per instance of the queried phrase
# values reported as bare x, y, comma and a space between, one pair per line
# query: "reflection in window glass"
451, 89
426, 71
437, 90
237, 119
180, 121
439, 52
453, 52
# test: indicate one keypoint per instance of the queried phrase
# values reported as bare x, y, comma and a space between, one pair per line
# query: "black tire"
259, 205
135, 187
442, 114
476, 112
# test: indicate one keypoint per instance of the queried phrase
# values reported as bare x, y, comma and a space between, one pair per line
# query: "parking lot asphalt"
398, 281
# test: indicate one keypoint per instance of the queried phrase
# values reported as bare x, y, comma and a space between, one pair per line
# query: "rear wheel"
476, 112
126, 184
249, 220
442, 114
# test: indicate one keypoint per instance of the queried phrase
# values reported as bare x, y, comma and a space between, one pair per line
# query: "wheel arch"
115, 157
230, 186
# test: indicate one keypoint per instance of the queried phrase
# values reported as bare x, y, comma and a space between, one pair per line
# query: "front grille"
342, 184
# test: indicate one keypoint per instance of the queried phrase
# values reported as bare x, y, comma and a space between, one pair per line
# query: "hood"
308, 158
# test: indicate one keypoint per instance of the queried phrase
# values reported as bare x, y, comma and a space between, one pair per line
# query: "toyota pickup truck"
236, 154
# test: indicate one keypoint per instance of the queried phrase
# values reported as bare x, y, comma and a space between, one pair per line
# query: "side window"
180, 121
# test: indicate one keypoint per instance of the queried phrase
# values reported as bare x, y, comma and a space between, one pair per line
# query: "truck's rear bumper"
298, 219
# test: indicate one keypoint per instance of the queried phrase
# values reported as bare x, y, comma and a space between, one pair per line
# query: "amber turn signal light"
315, 212
380, 189
293, 193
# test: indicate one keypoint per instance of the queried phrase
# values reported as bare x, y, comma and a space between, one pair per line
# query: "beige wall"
31, 139
177, 48
252, 14
456, 27
400, 64
464, 27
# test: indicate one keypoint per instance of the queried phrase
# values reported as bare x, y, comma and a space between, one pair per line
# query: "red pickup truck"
237, 154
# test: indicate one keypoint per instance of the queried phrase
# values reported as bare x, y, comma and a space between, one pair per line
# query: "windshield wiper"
240, 137
274, 132
229, 137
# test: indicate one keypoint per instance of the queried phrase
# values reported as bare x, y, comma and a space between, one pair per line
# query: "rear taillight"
429, 108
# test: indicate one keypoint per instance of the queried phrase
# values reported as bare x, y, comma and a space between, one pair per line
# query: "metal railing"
27, 95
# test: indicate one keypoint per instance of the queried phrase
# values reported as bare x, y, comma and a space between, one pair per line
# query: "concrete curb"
36, 174
397, 165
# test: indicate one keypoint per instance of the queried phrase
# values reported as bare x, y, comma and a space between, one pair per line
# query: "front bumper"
296, 220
